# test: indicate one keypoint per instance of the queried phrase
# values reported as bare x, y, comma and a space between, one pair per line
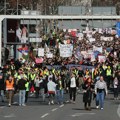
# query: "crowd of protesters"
24, 77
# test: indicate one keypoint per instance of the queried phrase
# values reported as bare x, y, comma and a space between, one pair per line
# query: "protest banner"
41, 52
66, 50
106, 38
92, 39
85, 54
35, 39
71, 66
97, 49
49, 55
80, 36
101, 58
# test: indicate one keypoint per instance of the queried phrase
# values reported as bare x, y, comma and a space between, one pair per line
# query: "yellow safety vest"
109, 73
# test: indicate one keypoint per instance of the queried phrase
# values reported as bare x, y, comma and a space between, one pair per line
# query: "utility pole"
5, 7
17, 7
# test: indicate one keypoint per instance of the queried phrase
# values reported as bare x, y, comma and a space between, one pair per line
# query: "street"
37, 110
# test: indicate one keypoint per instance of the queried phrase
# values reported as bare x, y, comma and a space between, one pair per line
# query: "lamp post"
5, 7
17, 7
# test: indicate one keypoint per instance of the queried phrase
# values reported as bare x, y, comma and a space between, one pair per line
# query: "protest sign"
35, 39
41, 52
97, 49
49, 55
101, 58
80, 36
66, 50
106, 38
91, 39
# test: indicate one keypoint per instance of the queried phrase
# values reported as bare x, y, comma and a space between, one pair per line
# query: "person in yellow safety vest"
32, 78
53, 70
104, 66
108, 76
27, 85
75, 71
15, 75
87, 72
46, 72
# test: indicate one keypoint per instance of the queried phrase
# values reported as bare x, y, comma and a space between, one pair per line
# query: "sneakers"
9, 105
23, 104
49, 103
97, 107
73, 102
52, 102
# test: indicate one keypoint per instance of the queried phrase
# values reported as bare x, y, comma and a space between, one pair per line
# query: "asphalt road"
37, 110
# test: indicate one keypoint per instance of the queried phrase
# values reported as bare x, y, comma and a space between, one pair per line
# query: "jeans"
100, 97
22, 97
60, 95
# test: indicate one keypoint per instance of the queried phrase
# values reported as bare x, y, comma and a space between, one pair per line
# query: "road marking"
45, 115
118, 111
80, 114
61, 106
31, 94
54, 109
9, 116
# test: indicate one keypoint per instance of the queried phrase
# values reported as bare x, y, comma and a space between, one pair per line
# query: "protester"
51, 91
22, 90
101, 91
37, 85
42, 88
73, 85
87, 93
10, 89
60, 90
116, 88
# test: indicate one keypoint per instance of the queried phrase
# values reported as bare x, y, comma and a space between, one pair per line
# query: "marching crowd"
24, 78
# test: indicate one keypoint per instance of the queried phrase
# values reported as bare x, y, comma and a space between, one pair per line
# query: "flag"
118, 28
23, 50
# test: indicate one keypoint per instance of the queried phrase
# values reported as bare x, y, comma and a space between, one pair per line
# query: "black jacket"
21, 84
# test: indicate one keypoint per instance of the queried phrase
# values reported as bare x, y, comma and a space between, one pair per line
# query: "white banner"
41, 52
66, 50
101, 58
91, 39
106, 38
97, 49
35, 39
49, 55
